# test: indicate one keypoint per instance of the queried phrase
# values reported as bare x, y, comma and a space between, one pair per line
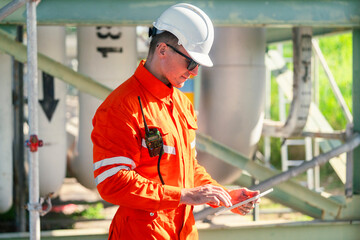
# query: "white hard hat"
192, 27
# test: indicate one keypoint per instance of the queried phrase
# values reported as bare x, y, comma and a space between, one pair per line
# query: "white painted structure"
52, 156
233, 95
6, 134
107, 54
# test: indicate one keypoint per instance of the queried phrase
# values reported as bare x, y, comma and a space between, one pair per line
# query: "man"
144, 137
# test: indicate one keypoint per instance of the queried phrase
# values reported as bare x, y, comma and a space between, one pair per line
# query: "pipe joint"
40, 207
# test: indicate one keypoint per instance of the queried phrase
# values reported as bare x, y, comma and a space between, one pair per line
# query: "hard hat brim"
201, 58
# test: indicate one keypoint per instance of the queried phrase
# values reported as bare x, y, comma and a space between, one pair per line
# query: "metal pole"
11, 7
256, 210
32, 79
356, 108
267, 139
332, 81
349, 175
352, 143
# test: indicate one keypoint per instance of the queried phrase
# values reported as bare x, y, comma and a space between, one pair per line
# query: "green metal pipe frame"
330, 208
54, 68
10, 8
278, 196
320, 160
280, 13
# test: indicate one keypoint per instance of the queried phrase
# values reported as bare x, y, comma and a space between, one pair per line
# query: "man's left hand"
241, 194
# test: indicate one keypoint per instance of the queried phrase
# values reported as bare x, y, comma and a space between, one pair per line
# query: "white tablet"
223, 209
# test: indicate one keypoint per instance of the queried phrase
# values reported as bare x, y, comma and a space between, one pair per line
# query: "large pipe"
232, 96
6, 166
52, 97
301, 90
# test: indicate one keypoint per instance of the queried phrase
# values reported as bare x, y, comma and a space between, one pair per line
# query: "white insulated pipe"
6, 135
232, 96
52, 110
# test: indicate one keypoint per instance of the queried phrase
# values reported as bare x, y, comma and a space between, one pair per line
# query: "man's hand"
205, 194
241, 194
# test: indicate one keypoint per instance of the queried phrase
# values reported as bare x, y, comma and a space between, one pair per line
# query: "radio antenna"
142, 112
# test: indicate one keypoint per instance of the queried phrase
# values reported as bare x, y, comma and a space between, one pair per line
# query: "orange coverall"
127, 176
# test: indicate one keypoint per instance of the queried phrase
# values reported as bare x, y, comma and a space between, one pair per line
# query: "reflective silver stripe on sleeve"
167, 149
143, 143
114, 160
108, 173
193, 144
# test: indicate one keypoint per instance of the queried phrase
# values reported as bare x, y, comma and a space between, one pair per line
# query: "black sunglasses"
192, 64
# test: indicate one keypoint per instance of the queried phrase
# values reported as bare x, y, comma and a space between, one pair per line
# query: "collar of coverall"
157, 88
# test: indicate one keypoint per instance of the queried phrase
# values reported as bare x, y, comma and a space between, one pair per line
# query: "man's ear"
161, 48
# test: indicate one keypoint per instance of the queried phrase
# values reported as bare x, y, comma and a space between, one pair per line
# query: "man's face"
176, 72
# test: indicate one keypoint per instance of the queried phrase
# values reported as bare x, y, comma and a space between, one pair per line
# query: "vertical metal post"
356, 107
316, 79
19, 167
256, 210
308, 157
267, 139
316, 91
32, 79
349, 167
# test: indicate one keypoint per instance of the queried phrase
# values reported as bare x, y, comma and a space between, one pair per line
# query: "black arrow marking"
48, 104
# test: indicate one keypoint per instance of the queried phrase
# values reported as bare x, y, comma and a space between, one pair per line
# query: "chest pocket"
192, 127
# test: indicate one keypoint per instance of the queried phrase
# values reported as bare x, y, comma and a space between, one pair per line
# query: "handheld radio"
154, 142
153, 139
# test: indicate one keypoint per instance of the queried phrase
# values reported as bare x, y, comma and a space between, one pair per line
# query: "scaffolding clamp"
39, 206
33, 143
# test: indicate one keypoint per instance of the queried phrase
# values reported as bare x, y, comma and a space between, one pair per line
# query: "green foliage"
337, 51
92, 212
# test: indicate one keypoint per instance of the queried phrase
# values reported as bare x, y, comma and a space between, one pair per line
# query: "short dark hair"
165, 37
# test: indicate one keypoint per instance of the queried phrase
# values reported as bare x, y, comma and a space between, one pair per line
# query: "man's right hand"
205, 194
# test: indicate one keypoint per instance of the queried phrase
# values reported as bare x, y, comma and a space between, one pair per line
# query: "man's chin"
180, 85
